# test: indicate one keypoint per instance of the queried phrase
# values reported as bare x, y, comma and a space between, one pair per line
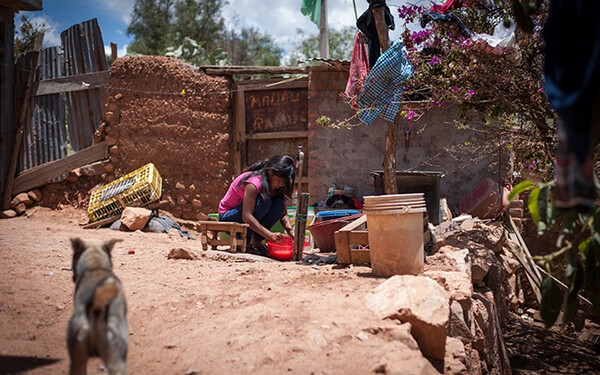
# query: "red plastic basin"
283, 250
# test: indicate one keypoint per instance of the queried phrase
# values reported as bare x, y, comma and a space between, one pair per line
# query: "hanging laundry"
503, 41
359, 68
366, 24
382, 91
433, 16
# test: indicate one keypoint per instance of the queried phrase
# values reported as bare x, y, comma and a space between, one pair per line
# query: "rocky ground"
224, 314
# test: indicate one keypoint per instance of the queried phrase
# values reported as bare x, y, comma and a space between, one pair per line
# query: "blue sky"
279, 18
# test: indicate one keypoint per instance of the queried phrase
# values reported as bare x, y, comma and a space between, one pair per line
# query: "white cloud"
52, 37
120, 51
122, 8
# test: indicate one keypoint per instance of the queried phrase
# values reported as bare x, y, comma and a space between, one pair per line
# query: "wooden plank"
114, 51
282, 86
278, 135
23, 4
355, 224
79, 82
255, 70
358, 237
239, 131
360, 256
22, 121
342, 247
40, 175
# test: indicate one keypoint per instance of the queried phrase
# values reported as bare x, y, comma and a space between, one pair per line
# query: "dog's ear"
108, 245
78, 245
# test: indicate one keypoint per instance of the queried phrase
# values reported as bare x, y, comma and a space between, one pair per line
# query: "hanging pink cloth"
359, 68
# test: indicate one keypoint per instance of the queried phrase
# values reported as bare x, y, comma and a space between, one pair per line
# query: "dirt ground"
216, 315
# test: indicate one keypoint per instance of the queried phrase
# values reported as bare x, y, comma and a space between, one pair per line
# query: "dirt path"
215, 315
207, 316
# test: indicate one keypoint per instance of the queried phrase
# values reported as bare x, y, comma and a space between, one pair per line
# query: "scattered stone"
110, 140
8, 214
20, 208
456, 358
23, 198
74, 175
192, 187
179, 186
457, 284
118, 96
109, 167
114, 149
135, 218
197, 203
36, 195
179, 253
362, 336
417, 300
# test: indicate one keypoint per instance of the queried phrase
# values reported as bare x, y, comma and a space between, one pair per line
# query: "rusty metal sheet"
276, 110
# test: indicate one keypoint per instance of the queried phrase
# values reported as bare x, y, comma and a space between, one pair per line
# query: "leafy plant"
579, 240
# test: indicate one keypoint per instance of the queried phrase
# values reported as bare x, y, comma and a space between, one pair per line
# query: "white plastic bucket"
396, 238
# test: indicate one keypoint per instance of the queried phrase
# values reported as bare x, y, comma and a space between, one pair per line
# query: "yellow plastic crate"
138, 188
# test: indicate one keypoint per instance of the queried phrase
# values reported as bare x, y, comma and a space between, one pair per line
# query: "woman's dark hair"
281, 166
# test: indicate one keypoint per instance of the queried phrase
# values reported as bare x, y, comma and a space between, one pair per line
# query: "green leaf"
545, 210
521, 187
551, 301
574, 274
533, 205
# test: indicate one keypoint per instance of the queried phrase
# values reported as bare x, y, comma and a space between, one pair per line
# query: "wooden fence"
65, 108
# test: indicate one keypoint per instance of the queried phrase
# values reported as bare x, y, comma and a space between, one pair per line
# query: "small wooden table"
214, 227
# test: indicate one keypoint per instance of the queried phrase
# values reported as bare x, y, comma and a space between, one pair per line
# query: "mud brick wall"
164, 111
347, 157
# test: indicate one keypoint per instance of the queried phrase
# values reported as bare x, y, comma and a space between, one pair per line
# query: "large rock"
457, 284
455, 362
417, 300
35, 194
396, 358
449, 258
488, 340
481, 262
22, 198
135, 218
458, 326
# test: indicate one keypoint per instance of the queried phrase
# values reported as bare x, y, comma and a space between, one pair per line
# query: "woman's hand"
290, 232
276, 237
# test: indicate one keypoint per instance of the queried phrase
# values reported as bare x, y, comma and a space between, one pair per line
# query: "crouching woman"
257, 197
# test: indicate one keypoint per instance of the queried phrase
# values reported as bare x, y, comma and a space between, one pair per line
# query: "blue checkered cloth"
382, 91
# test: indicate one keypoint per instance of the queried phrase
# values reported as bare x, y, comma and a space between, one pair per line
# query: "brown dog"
98, 326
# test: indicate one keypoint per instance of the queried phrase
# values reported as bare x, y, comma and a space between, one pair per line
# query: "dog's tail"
105, 293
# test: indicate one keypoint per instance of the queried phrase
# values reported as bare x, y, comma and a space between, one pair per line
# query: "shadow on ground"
16, 365
536, 350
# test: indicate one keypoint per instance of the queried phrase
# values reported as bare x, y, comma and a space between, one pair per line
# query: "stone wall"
347, 157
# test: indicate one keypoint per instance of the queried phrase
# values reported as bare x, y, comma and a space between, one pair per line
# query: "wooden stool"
214, 227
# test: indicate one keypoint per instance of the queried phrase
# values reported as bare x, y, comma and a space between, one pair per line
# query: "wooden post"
389, 158
114, 52
22, 120
300, 229
324, 32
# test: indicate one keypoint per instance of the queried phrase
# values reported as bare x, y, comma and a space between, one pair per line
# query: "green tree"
151, 27
26, 33
340, 45
251, 47
199, 20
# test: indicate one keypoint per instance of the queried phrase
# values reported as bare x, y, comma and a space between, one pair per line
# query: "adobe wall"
348, 157
187, 136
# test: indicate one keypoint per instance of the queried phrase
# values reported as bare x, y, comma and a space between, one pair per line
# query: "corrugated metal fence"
51, 115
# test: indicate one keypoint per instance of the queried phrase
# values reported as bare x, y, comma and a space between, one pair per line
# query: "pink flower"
470, 92
434, 60
455, 88
411, 114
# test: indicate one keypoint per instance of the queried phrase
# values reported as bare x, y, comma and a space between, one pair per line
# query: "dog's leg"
77, 342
